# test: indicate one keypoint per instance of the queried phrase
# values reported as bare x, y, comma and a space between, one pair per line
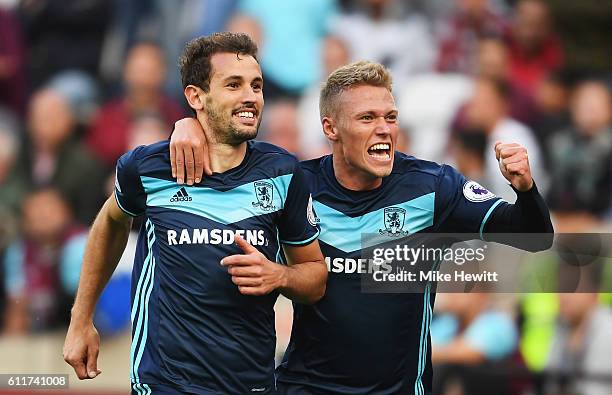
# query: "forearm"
105, 244
305, 282
528, 215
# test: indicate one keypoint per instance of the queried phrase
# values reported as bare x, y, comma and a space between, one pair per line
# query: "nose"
249, 96
382, 127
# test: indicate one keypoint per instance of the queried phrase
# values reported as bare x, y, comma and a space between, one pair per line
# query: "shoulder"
312, 166
145, 152
273, 155
407, 164
441, 178
147, 158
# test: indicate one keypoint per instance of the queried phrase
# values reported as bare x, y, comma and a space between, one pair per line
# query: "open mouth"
380, 151
247, 117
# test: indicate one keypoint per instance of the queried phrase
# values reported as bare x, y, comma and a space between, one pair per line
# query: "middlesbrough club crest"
394, 218
264, 192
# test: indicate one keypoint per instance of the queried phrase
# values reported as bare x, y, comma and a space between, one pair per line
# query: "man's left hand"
514, 165
252, 272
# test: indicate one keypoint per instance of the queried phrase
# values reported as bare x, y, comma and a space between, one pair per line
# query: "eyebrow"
373, 112
239, 77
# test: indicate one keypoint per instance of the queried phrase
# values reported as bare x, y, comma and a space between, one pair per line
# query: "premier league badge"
264, 192
474, 192
394, 222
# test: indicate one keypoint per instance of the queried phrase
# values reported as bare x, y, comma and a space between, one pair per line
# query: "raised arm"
529, 214
105, 244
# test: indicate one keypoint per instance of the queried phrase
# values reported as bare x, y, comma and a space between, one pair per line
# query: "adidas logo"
181, 196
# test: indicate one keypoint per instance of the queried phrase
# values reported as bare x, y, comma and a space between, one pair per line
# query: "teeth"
380, 156
246, 114
382, 146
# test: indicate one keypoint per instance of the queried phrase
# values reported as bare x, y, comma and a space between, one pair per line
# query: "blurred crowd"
82, 81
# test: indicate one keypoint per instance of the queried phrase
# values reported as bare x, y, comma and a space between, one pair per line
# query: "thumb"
246, 247
497, 149
92, 362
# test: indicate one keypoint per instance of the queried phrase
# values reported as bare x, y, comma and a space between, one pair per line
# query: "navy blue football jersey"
352, 342
193, 332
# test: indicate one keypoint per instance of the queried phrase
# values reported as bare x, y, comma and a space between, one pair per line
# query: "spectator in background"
144, 76
12, 78
293, 33
487, 109
552, 103
63, 35
402, 44
147, 128
581, 160
534, 50
37, 301
280, 126
83, 94
459, 36
311, 138
12, 190
468, 152
469, 332
579, 359
12, 187
55, 158
241, 23
493, 62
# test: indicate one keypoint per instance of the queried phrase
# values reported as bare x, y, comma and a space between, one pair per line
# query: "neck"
223, 156
353, 178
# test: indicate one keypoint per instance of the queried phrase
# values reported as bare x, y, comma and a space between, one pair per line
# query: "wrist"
79, 317
283, 277
524, 187
527, 189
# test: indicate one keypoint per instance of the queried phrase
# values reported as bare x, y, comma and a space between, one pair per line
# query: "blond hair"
349, 76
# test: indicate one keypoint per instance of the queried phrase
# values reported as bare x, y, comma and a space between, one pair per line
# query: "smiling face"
365, 131
234, 101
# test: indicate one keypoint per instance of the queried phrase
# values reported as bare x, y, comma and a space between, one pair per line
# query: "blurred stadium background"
82, 81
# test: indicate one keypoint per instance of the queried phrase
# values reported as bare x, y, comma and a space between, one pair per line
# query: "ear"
193, 96
329, 129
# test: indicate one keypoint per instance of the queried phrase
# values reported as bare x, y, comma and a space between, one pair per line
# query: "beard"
223, 127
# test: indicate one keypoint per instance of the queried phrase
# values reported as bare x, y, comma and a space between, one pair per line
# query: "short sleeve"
129, 192
463, 206
298, 221
493, 334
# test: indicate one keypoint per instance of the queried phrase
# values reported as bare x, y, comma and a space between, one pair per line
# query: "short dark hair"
194, 63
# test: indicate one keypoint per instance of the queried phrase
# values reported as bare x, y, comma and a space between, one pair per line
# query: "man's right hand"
189, 151
81, 349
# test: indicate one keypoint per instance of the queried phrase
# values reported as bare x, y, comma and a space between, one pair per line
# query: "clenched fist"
514, 165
